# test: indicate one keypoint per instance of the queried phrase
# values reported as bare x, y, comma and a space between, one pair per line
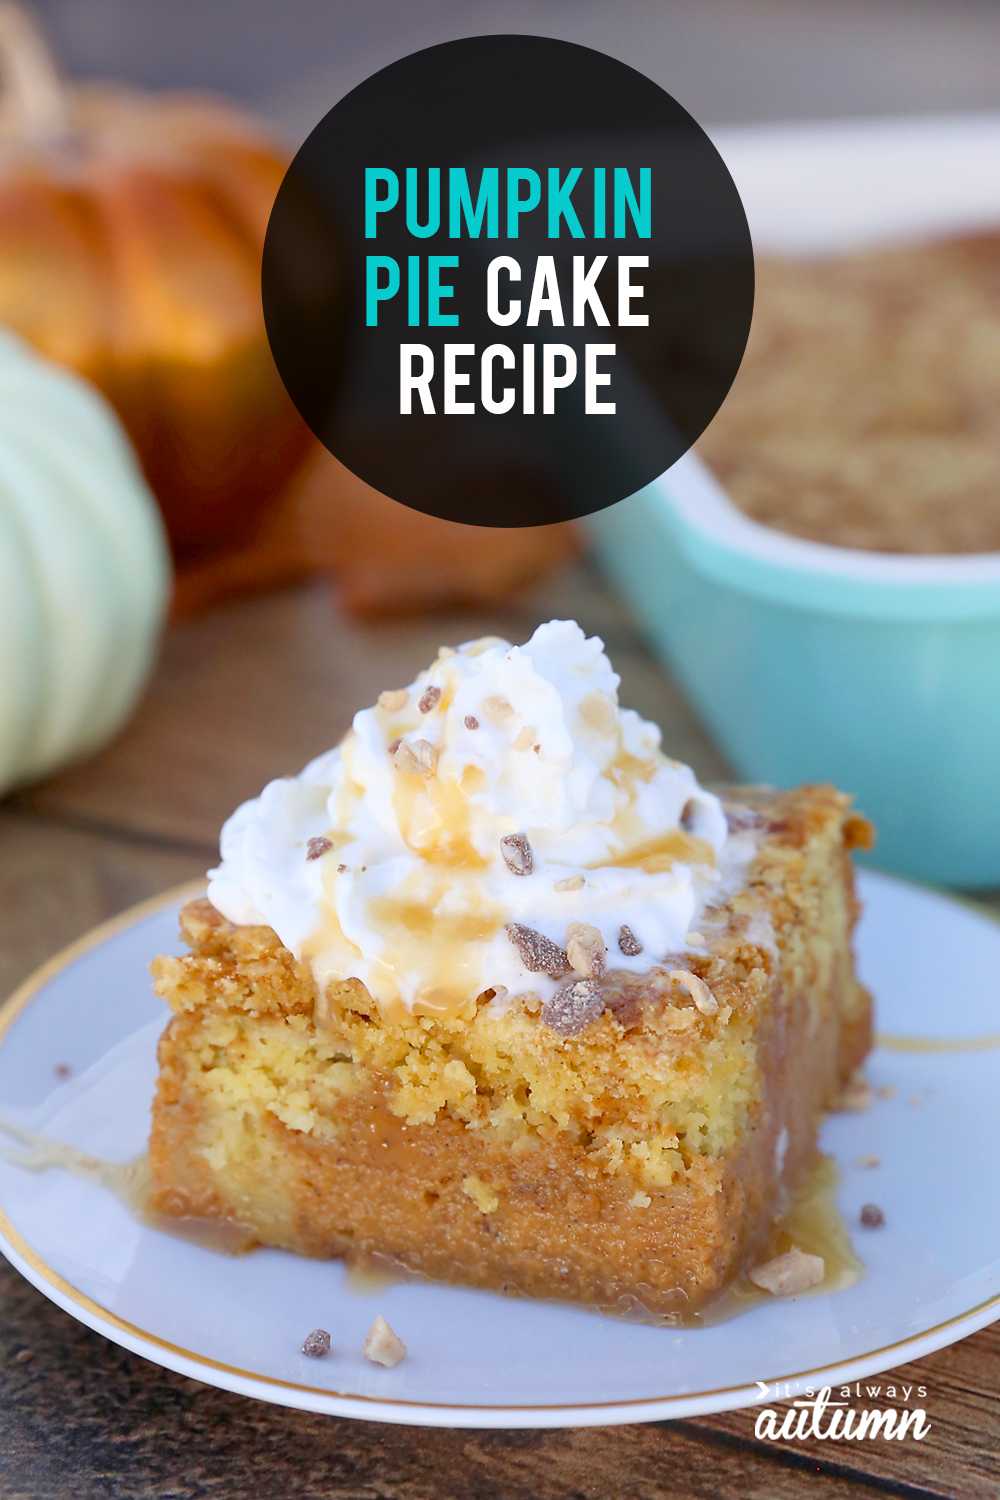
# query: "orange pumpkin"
131, 228
385, 559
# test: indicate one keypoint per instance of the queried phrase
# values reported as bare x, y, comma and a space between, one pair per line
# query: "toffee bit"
418, 759
872, 1216
571, 883
790, 1273
382, 1346
517, 854
430, 698
316, 848
698, 990
317, 1344
24, 1356
688, 814
393, 700
628, 942
539, 954
341, 869
743, 819
471, 722
573, 1007
586, 949
395, 744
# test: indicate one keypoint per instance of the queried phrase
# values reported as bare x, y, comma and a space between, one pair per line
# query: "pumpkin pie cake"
496, 990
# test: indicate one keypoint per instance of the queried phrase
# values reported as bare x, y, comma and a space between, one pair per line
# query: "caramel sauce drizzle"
435, 817
130, 1182
896, 1042
811, 1222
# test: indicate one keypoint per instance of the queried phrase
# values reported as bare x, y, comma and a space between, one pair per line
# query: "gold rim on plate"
176, 896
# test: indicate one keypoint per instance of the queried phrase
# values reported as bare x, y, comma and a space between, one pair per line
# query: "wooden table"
246, 694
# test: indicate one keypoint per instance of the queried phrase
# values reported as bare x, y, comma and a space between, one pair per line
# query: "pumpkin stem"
33, 94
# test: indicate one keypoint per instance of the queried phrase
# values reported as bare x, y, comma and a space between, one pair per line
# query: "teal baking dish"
809, 662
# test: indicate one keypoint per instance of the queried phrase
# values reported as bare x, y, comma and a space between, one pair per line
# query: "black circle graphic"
508, 281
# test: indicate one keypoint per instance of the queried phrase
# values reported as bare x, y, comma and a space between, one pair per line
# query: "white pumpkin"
84, 568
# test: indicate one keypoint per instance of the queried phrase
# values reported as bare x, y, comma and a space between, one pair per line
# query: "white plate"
481, 1360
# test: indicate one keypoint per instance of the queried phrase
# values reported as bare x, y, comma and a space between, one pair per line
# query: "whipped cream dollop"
504, 786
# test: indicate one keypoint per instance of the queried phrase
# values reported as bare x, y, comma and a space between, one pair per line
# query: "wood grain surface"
243, 695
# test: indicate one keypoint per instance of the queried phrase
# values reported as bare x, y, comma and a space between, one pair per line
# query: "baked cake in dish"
864, 413
498, 991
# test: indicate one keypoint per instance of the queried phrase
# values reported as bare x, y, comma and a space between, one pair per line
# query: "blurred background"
291, 592
725, 60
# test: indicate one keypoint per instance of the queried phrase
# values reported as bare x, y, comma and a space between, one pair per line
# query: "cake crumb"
790, 1273
869, 1161
698, 990
859, 832
639, 1200
625, 1008
481, 1194
856, 1097
573, 1007
525, 738
393, 700
418, 759
471, 722
915, 1101
571, 883
316, 1344
24, 1356
382, 1346
517, 854
695, 939
539, 954
429, 699
316, 848
872, 1216
61, 1070
586, 950
628, 942
886, 1091
341, 869
497, 708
